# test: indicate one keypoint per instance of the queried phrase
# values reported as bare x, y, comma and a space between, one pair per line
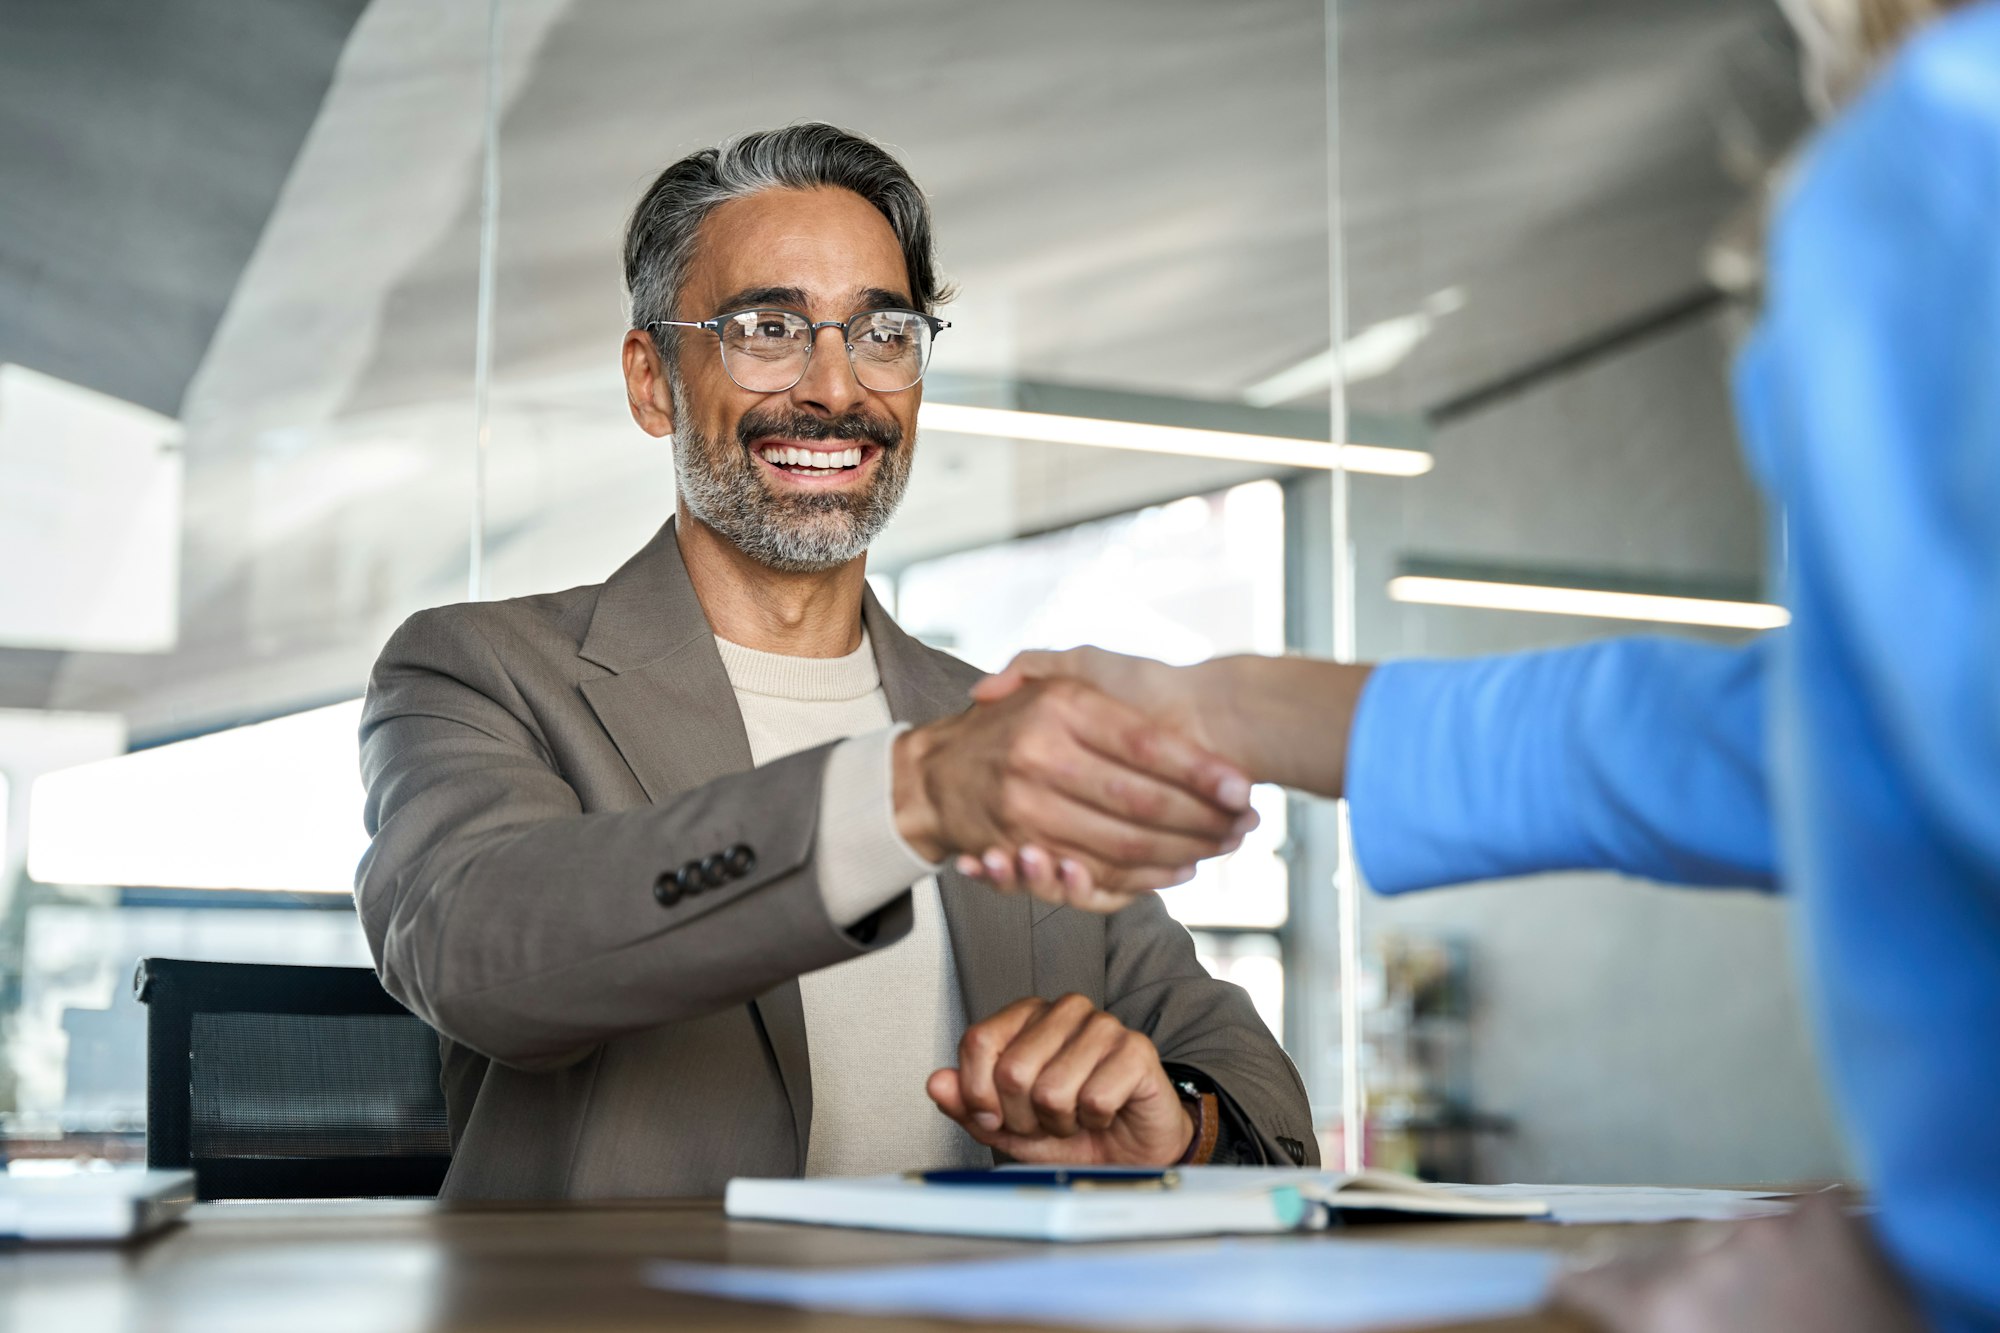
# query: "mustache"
755, 425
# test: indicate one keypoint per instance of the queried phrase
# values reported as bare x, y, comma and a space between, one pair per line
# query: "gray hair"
661, 237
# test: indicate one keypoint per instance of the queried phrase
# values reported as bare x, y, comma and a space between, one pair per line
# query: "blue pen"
1053, 1178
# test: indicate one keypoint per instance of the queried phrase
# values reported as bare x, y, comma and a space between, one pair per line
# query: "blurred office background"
309, 317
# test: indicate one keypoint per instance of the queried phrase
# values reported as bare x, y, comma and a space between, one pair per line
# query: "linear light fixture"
1549, 600
1187, 441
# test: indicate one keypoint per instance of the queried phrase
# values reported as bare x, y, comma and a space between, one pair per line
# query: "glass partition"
384, 376
1551, 236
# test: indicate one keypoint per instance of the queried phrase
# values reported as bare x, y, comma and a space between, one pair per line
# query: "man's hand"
1114, 802
1817, 1268
1278, 719
1064, 1083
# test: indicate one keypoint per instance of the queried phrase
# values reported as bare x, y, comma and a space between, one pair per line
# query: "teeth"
812, 460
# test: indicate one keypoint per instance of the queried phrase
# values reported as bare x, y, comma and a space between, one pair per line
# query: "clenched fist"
1064, 1083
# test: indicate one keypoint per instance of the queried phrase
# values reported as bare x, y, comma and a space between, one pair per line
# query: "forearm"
1644, 756
1287, 719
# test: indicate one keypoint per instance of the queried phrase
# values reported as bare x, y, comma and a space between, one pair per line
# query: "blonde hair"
1881, 25
1846, 41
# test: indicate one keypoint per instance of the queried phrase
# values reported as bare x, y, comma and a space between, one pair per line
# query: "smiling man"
659, 858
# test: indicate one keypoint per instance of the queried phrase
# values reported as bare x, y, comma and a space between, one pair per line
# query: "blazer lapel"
991, 939
670, 710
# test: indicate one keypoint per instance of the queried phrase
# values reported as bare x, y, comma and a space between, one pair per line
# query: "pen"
1055, 1178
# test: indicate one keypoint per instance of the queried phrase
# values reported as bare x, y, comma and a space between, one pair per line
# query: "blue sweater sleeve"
1639, 755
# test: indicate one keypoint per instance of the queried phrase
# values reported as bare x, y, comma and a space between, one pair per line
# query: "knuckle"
976, 1042
1011, 1076
1144, 743
1074, 1004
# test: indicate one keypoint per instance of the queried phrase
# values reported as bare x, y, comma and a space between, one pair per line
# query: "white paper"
1281, 1284
1594, 1204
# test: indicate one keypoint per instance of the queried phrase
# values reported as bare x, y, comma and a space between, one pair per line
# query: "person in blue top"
1851, 760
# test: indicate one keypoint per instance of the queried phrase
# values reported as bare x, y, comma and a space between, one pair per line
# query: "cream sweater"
876, 1026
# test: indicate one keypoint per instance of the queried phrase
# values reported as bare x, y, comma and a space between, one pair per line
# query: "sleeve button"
666, 891
688, 879
714, 871
741, 860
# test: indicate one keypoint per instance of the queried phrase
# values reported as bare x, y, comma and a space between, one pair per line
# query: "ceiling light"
1607, 605
1373, 352
1186, 441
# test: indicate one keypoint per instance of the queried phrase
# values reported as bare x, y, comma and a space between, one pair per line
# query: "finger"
999, 869
1105, 762
1039, 874
1055, 1092
1110, 1086
1018, 1068
980, 1047
970, 866
1081, 891
1052, 819
1024, 668
1123, 734
1036, 1149
942, 1088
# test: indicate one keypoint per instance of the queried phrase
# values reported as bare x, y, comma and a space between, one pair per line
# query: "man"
1853, 758
656, 857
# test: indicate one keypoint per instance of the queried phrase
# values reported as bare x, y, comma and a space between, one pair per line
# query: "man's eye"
770, 328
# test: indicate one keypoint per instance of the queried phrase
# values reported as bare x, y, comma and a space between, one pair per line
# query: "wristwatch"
1205, 1110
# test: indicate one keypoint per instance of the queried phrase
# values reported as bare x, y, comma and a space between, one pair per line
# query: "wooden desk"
390, 1267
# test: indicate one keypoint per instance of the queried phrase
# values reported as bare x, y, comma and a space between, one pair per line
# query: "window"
1181, 582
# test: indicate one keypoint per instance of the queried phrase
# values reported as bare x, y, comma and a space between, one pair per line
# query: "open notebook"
1208, 1201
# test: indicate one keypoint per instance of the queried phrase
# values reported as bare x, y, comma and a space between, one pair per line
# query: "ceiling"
279, 207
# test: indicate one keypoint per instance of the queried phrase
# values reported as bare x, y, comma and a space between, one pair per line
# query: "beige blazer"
538, 769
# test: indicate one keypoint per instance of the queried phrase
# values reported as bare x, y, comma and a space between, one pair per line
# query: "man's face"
829, 255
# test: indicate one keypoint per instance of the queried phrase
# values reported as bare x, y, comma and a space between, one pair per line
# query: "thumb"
943, 1089
1024, 668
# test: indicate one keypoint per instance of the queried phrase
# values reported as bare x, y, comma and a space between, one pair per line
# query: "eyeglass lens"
766, 351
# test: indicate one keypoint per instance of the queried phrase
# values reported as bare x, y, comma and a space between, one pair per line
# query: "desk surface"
392, 1267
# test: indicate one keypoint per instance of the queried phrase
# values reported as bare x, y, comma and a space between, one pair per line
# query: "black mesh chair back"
274, 1082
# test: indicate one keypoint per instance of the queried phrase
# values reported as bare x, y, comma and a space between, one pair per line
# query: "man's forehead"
823, 248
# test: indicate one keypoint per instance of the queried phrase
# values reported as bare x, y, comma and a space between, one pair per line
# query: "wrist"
916, 815
1222, 685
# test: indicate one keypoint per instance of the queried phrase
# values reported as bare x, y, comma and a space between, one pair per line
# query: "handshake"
1087, 777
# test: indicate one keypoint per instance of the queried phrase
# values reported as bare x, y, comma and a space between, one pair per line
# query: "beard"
806, 532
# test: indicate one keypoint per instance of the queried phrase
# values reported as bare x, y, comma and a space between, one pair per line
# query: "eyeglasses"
768, 351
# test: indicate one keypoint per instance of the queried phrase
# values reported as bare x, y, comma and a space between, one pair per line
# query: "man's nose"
828, 385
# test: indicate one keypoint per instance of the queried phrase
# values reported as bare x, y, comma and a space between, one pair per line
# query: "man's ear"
646, 390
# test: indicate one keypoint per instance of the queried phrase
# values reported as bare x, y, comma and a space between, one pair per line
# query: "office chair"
278, 1082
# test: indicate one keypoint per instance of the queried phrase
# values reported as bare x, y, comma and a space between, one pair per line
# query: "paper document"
1284, 1283
1588, 1204
1208, 1201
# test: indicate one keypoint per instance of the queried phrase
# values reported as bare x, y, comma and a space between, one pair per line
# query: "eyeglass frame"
714, 325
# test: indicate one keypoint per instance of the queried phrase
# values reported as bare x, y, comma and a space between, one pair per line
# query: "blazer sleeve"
530, 931
1154, 984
